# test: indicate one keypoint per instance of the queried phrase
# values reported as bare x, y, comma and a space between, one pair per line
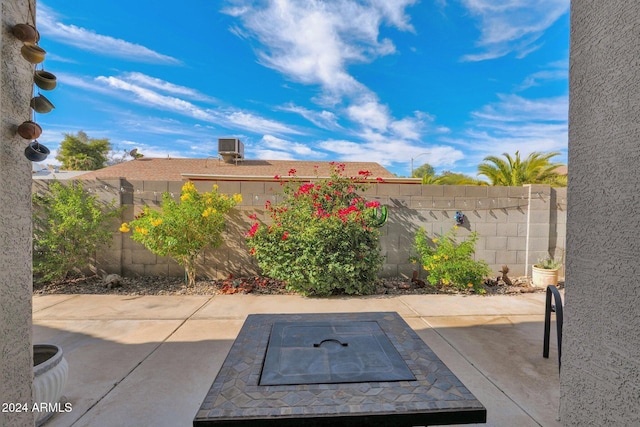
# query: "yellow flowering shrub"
450, 263
183, 229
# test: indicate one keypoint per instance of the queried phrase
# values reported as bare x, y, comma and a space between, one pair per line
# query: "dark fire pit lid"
331, 352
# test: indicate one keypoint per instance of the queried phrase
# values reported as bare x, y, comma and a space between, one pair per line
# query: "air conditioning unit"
230, 149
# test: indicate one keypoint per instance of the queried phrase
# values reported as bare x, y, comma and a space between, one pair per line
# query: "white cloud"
263, 154
313, 42
323, 119
230, 117
515, 123
512, 25
388, 152
370, 114
155, 99
85, 39
514, 108
252, 122
164, 86
552, 72
271, 142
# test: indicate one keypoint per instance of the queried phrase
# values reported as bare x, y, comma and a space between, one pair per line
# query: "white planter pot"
543, 277
50, 371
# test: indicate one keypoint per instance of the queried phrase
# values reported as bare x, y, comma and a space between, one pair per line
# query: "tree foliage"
537, 168
182, 230
451, 178
68, 226
425, 169
79, 152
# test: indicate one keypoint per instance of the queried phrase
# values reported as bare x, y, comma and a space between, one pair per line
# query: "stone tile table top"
338, 369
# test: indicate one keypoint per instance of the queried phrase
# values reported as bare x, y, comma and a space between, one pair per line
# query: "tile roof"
172, 169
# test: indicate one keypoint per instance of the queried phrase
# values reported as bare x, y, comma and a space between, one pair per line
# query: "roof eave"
264, 178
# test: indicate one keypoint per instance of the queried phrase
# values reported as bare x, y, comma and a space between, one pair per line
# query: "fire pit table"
336, 369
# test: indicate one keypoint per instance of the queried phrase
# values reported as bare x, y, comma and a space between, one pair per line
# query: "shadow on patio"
151, 360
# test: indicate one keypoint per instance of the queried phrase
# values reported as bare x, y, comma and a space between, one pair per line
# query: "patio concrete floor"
150, 360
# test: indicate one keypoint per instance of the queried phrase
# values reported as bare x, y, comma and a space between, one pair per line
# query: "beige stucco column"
16, 368
600, 378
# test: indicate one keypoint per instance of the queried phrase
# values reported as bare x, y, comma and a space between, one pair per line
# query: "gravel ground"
251, 284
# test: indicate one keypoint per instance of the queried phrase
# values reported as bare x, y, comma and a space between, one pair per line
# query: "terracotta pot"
41, 104
33, 53
36, 152
29, 130
44, 80
50, 372
26, 33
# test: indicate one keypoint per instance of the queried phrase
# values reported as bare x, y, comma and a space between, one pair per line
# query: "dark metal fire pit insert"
435, 397
331, 352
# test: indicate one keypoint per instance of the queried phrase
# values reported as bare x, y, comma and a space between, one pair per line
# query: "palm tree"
535, 169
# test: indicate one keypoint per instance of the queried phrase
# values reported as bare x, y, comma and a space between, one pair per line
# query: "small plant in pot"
545, 272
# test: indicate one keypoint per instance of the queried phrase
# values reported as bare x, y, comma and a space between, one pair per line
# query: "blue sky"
441, 81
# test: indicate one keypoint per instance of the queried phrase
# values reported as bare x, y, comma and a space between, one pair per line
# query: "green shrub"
323, 237
68, 226
182, 230
449, 263
549, 263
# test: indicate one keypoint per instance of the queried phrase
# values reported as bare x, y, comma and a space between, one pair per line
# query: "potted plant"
50, 371
545, 272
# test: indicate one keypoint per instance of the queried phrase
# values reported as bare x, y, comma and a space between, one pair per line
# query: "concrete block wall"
497, 214
515, 225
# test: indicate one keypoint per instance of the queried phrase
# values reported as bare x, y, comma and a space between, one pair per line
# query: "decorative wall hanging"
33, 53
44, 80
26, 33
29, 130
41, 104
36, 152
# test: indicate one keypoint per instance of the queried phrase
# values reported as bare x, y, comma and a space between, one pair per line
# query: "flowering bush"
182, 230
68, 226
323, 237
449, 263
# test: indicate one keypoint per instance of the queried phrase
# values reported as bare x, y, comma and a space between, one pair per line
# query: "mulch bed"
250, 284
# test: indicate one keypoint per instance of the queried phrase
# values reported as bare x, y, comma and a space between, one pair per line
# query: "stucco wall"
600, 378
16, 368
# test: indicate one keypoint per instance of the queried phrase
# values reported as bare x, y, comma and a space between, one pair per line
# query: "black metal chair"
556, 308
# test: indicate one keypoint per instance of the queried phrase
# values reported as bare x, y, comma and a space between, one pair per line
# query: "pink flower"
253, 217
346, 211
372, 204
276, 177
292, 171
364, 173
379, 179
254, 229
285, 235
305, 188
